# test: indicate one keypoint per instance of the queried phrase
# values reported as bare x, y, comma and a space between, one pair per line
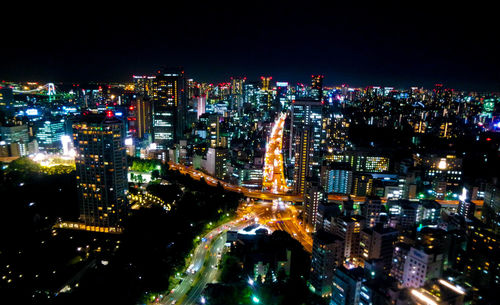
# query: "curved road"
202, 271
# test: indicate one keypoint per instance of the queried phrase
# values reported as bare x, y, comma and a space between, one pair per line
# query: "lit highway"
278, 215
273, 177
203, 267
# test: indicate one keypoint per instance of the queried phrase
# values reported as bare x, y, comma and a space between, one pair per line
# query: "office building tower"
143, 85
317, 87
445, 173
335, 132
201, 102
363, 161
101, 171
14, 134
169, 107
265, 83
236, 93
216, 162
327, 254
304, 153
143, 116
304, 113
214, 131
282, 94
314, 195
336, 178
49, 135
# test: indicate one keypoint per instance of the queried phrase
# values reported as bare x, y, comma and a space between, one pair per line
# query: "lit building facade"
49, 135
327, 254
101, 171
168, 104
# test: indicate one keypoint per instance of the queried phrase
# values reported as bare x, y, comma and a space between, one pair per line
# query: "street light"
255, 300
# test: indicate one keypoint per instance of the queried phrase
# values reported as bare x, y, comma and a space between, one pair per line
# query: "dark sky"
360, 44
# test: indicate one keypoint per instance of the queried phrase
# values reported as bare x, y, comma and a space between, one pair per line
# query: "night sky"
360, 45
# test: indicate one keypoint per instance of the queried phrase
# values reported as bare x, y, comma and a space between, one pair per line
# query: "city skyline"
249, 153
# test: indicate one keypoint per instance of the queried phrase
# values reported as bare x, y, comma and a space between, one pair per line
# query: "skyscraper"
143, 85
303, 159
307, 112
142, 107
314, 195
101, 170
49, 135
317, 86
169, 106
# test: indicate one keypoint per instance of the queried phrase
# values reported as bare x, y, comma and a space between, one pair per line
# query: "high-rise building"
14, 134
214, 131
314, 195
142, 109
169, 106
444, 172
335, 128
143, 85
201, 102
363, 161
307, 112
282, 94
215, 163
327, 254
304, 153
101, 171
49, 135
236, 93
317, 87
336, 177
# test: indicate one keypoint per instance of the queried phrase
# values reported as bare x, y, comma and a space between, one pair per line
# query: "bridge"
49, 88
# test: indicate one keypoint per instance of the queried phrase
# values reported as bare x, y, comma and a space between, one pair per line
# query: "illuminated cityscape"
201, 153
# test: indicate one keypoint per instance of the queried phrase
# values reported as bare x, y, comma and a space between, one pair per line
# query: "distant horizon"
307, 82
